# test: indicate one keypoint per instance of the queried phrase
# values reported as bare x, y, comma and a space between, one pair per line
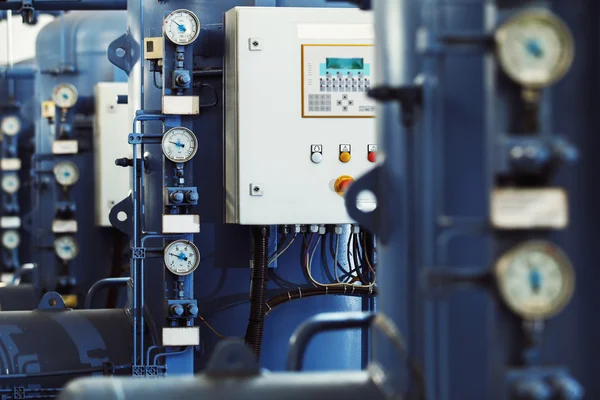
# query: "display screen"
345, 63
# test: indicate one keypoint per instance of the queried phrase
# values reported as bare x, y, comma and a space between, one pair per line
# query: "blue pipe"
17, 72
58, 5
101, 284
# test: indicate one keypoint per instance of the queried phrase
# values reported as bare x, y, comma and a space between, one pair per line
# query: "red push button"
372, 156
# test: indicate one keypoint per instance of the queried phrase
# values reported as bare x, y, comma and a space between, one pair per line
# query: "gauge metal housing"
502, 38
60, 178
567, 276
182, 242
11, 125
165, 144
61, 101
171, 36
74, 252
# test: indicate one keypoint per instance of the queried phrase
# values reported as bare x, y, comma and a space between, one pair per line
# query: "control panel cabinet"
299, 126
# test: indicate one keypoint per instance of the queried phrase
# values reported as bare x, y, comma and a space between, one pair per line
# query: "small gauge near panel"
10, 183
66, 173
65, 95
535, 48
536, 280
11, 239
179, 144
11, 125
66, 248
181, 257
182, 27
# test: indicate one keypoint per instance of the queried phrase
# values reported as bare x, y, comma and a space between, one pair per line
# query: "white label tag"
65, 147
64, 226
188, 223
10, 164
529, 208
10, 222
188, 336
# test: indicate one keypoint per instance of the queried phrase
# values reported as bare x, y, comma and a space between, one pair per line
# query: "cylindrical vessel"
61, 345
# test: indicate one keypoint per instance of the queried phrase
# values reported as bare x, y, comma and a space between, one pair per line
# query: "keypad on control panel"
319, 102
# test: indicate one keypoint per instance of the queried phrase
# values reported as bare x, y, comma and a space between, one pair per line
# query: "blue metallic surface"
222, 280
73, 52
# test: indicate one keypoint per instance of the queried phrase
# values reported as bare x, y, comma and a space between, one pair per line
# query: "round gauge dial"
66, 173
536, 280
182, 27
535, 48
11, 125
11, 239
66, 248
64, 95
181, 257
10, 183
179, 144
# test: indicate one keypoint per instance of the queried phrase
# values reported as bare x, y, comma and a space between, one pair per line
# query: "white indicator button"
316, 157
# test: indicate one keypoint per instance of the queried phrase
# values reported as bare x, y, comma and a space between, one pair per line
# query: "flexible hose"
258, 291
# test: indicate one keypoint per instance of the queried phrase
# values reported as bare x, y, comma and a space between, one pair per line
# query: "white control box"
111, 130
299, 125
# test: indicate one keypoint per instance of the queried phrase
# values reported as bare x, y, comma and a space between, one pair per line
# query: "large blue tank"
72, 50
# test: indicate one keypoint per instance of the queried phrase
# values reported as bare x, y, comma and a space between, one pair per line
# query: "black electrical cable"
332, 251
324, 261
83, 371
213, 104
319, 291
256, 320
154, 80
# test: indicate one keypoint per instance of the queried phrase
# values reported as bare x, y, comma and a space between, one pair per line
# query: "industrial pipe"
284, 386
57, 5
101, 284
318, 324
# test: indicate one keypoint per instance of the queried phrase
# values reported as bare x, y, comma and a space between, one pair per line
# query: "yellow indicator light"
345, 156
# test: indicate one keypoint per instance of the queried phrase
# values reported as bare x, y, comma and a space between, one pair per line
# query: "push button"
316, 157
342, 184
372, 156
345, 156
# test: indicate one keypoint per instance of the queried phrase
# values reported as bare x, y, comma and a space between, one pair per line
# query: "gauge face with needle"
66, 173
11, 125
182, 27
11, 183
179, 144
536, 280
535, 48
66, 248
65, 95
11, 239
181, 257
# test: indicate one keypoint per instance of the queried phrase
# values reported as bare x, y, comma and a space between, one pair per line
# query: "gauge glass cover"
179, 144
182, 27
11, 239
181, 257
11, 125
536, 280
535, 48
64, 95
10, 183
66, 173
66, 248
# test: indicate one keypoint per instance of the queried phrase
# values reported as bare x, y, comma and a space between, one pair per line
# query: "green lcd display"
345, 63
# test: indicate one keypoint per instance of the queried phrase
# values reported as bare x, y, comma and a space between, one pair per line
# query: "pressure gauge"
66, 248
535, 48
66, 173
179, 144
181, 257
536, 280
64, 95
182, 27
10, 183
11, 239
11, 125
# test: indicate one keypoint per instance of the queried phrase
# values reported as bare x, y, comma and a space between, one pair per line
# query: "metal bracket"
139, 138
138, 370
138, 253
123, 52
27, 12
52, 301
410, 97
125, 206
108, 368
152, 370
232, 358
18, 392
